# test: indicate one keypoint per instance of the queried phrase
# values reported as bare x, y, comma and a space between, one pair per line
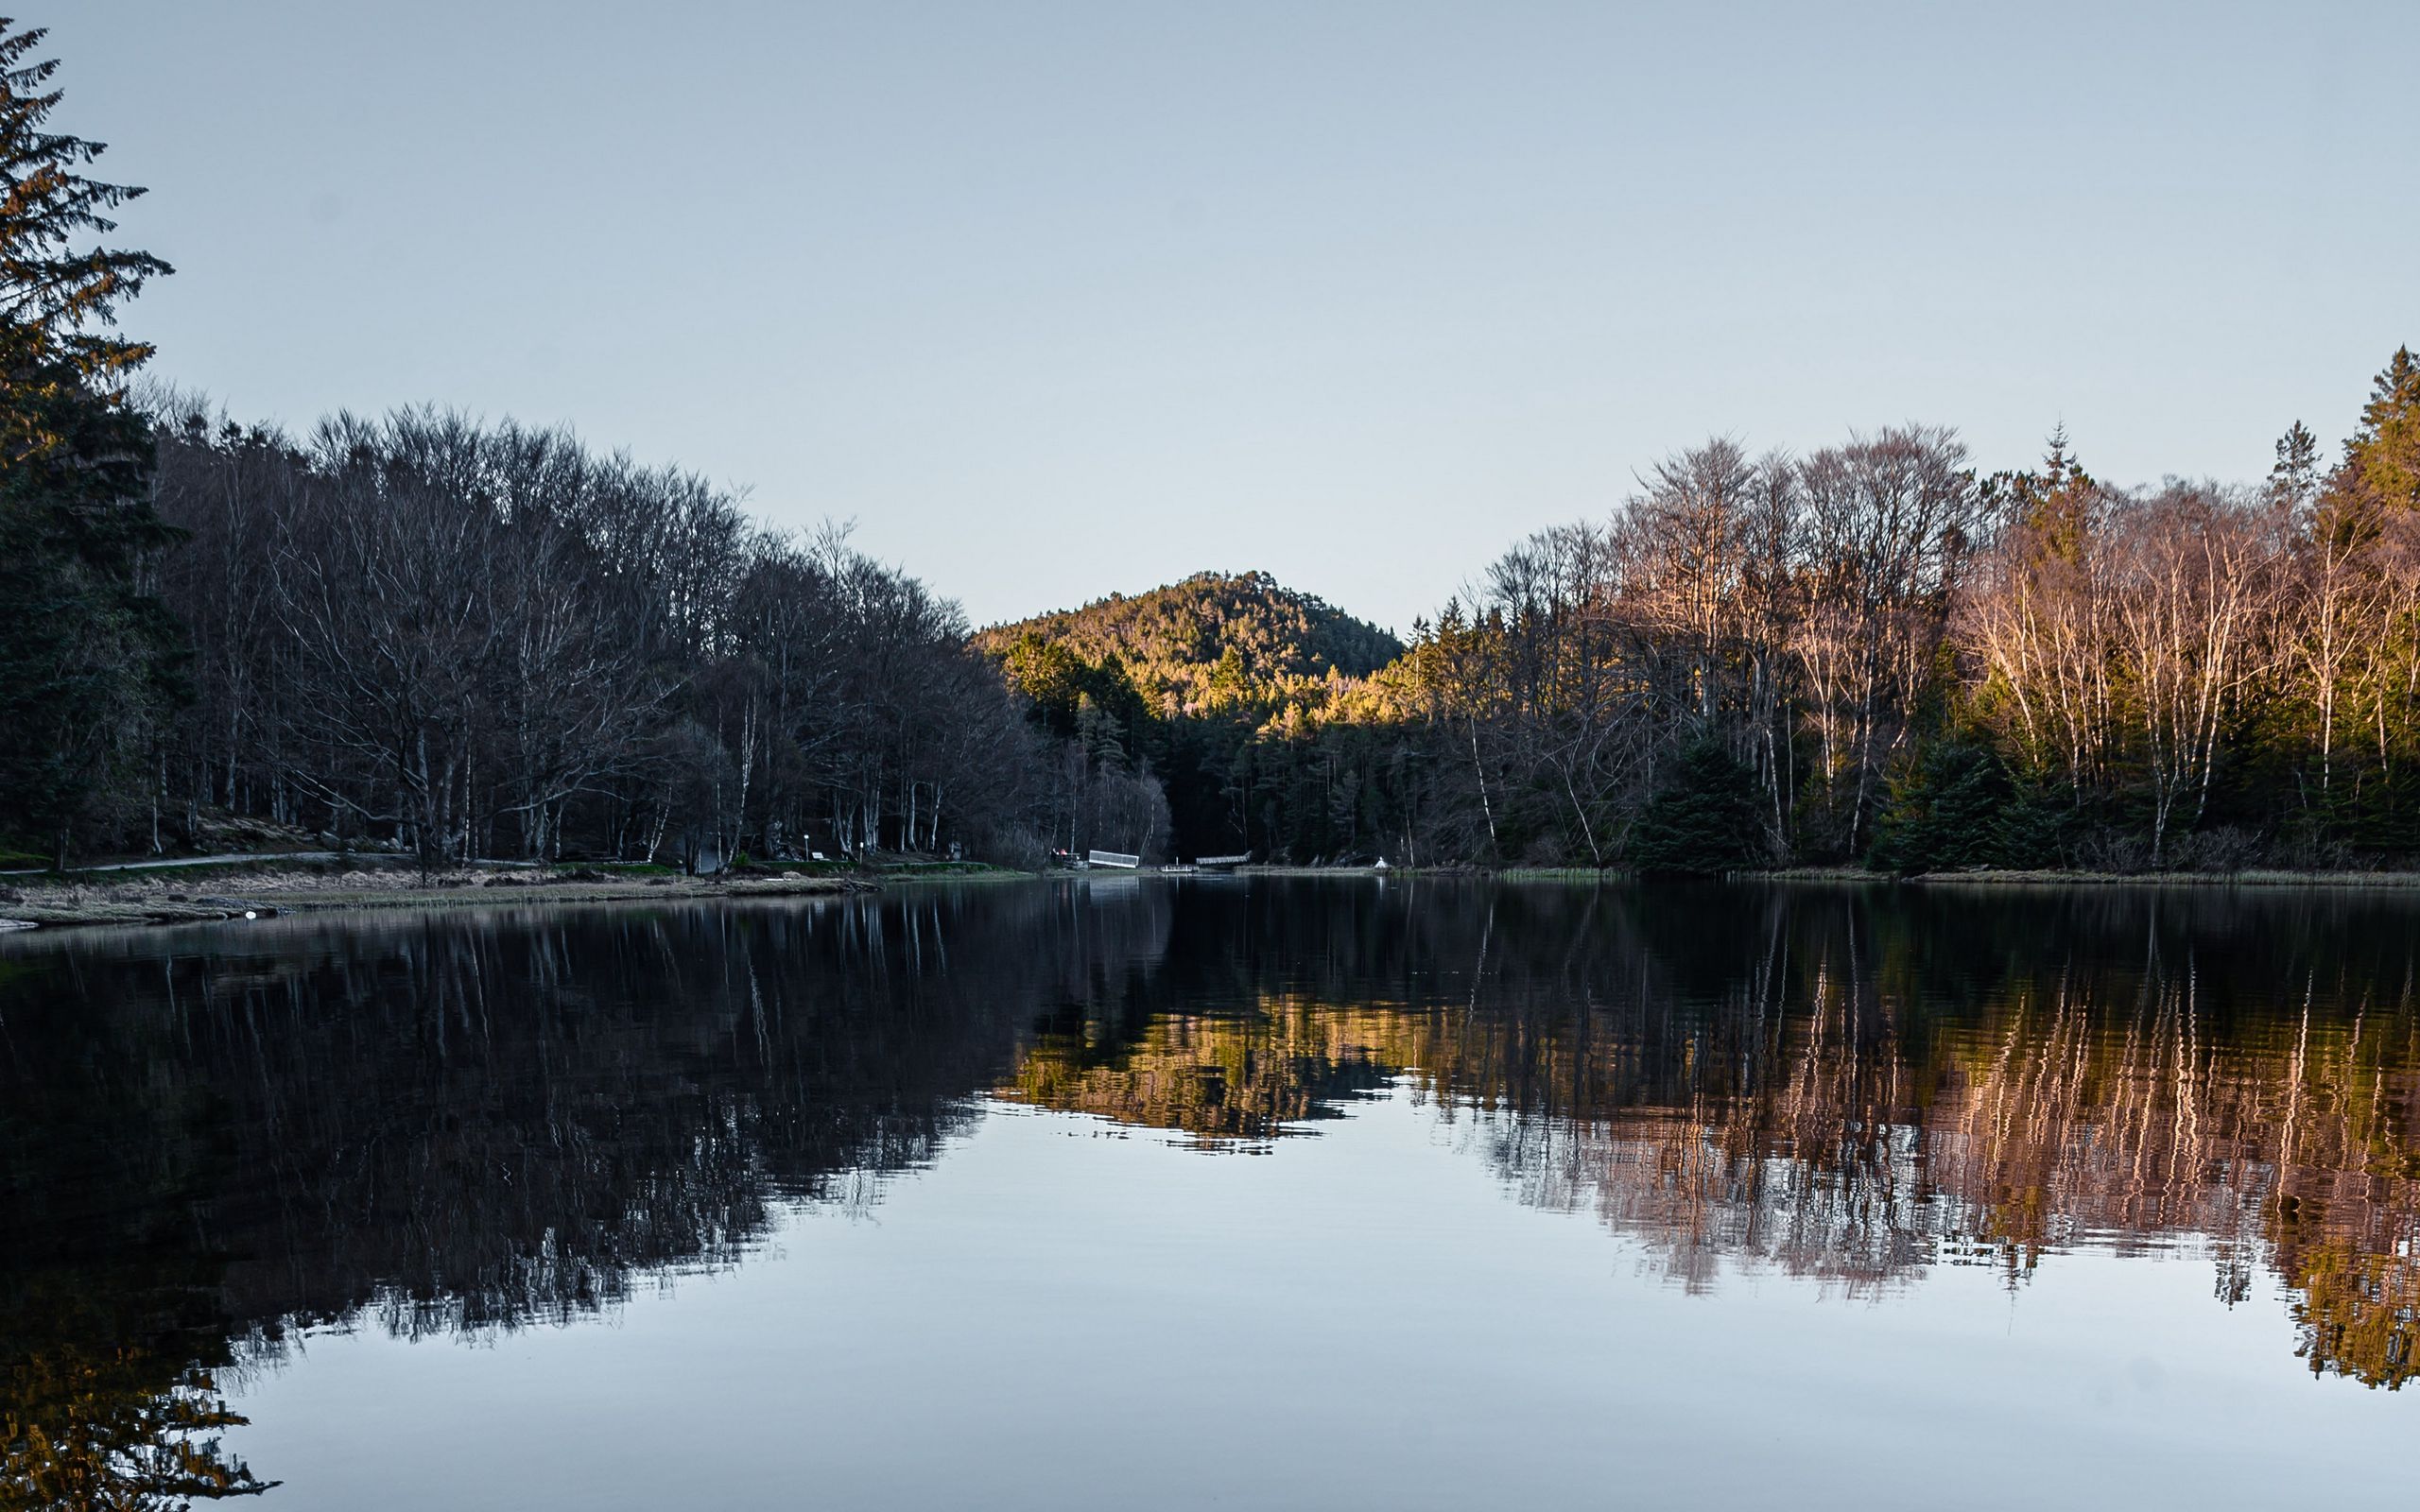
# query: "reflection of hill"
1246, 1077
1840, 1089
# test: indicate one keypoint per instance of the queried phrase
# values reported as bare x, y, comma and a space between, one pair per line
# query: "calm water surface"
1204, 1193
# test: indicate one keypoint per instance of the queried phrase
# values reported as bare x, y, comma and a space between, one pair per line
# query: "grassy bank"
951, 871
2254, 878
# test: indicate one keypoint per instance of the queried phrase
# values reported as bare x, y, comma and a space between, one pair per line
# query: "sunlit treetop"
2384, 454
59, 285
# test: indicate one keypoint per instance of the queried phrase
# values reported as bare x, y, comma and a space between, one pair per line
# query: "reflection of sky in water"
1060, 1314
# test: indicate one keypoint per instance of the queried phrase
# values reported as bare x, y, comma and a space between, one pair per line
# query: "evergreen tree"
1705, 818
2384, 454
2054, 502
2295, 477
87, 655
1050, 675
1947, 813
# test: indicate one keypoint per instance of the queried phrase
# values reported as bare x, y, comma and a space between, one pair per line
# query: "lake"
1265, 1194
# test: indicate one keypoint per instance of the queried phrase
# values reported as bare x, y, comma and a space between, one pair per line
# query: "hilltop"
1212, 642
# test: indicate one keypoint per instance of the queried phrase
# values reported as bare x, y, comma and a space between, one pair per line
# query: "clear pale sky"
1060, 298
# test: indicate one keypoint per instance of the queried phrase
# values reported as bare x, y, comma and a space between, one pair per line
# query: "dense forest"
1179, 687
462, 639
1873, 652
490, 640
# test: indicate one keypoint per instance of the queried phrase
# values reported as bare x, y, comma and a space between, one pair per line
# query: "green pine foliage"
1951, 810
1704, 819
1224, 688
1067, 692
2384, 454
1211, 644
89, 659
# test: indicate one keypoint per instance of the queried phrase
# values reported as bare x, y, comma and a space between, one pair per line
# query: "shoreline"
153, 899
1859, 876
230, 891
2251, 877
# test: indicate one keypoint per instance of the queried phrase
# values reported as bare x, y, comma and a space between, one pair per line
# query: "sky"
1058, 299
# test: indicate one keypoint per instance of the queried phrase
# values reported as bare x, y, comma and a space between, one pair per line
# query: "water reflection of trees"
1842, 1084
467, 1122
445, 1122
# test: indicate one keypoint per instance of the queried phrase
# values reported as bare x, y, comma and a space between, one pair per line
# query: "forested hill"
1212, 641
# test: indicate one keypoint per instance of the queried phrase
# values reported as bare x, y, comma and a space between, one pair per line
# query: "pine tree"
87, 657
2054, 502
1705, 818
1946, 813
2294, 480
2384, 454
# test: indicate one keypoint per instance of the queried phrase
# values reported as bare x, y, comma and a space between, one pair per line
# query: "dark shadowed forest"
454, 638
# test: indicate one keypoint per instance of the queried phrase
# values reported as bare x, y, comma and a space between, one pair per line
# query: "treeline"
1871, 653
490, 640
466, 641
